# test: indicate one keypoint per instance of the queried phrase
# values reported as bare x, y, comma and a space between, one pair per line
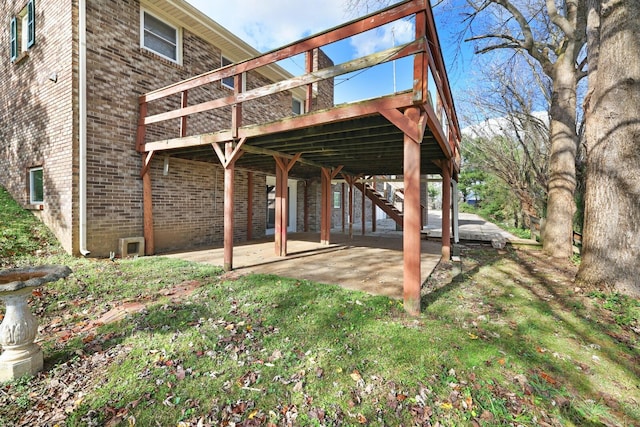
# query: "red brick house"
72, 73
145, 119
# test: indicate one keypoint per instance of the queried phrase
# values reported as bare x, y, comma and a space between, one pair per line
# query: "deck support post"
249, 205
446, 210
283, 166
325, 207
325, 203
350, 180
228, 159
342, 207
411, 227
147, 203
374, 218
364, 214
229, 177
307, 183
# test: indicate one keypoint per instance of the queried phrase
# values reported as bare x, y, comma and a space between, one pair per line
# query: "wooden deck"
412, 133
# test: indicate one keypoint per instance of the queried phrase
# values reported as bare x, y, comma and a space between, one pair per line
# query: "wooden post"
411, 227
374, 215
229, 175
308, 105
236, 109
364, 215
147, 201
306, 205
325, 207
350, 181
281, 209
446, 210
228, 159
283, 166
342, 207
183, 119
250, 205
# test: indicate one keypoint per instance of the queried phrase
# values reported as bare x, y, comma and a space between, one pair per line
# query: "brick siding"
40, 128
36, 114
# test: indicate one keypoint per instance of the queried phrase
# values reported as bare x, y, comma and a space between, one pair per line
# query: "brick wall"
324, 90
188, 204
188, 201
39, 127
36, 113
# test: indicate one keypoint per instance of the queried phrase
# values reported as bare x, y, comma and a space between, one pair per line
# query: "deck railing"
428, 69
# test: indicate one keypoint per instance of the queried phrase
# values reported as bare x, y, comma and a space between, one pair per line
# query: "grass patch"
20, 232
509, 341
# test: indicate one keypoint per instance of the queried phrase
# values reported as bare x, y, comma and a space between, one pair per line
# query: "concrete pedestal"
19, 327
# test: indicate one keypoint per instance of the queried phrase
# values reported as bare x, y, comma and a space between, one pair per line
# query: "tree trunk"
611, 244
557, 241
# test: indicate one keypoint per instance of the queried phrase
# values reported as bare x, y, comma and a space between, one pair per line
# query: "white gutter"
82, 124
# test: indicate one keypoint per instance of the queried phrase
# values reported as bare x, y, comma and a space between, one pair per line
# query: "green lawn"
508, 342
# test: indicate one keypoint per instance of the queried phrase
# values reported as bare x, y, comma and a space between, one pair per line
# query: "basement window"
23, 31
36, 186
160, 37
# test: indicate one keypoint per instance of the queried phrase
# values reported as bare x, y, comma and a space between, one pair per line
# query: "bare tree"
554, 39
611, 247
514, 145
552, 35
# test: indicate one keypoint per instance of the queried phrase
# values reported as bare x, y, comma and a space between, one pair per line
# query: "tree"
611, 244
513, 146
552, 38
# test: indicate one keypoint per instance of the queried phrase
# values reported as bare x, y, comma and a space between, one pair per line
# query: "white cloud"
270, 24
390, 35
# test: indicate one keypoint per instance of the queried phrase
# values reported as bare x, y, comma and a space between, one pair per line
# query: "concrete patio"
371, 263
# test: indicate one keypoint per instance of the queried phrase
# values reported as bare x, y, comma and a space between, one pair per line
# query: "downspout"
82, 123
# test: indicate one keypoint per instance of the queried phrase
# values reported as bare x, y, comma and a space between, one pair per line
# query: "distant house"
71, 78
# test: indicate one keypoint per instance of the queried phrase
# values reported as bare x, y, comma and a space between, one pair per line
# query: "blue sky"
268, 25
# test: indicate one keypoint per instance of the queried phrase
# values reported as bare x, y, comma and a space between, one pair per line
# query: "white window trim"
222, 64
31, 189
178, 29
301, 106
23, 29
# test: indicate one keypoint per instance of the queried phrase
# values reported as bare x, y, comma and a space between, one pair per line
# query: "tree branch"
560, 21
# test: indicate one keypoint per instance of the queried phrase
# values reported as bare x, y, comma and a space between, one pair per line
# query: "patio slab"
372, 263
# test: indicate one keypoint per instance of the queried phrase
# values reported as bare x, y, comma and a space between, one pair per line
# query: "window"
36, 186
297, 106
160, 37
23, 30
337, 199
227, 81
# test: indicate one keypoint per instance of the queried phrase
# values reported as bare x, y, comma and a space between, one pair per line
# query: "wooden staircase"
378, 199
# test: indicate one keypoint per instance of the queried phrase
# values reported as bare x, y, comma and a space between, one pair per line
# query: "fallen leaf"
180, 374
355, 375
547, 378
472, 336
361, 419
